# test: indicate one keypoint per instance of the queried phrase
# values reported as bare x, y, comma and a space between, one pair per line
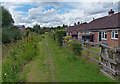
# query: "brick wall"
119, 38
95, 36
111, 42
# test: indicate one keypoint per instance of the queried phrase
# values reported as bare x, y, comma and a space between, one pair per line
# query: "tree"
7, 20
64, 26
36, 28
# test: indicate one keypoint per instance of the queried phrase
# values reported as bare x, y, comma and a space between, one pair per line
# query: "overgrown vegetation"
59, 34
10, 34
18, 55
76, 48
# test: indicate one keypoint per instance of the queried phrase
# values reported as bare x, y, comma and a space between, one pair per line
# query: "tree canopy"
7, 20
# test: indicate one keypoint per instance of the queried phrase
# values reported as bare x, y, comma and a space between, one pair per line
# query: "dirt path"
51, 64
41, 68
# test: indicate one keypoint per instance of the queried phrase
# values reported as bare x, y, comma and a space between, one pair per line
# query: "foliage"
64, 70
10, 34
59, 34
52, 36
27, 32
76, 48
72, 58
19, 54
68, 40
6, 18
0, 34
36, 28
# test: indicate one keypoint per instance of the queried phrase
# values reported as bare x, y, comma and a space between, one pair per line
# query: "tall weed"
18, 56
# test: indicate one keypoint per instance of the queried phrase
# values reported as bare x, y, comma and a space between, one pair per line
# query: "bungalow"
21, 27
72, 30
105, 30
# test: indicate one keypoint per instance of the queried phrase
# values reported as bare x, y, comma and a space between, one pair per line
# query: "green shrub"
76, 48
19, 54
72, 58
10, 34
58, 35
0, 34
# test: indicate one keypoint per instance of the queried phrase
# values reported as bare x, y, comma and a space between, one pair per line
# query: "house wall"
118, 38
111, 42
68, 34
95, 36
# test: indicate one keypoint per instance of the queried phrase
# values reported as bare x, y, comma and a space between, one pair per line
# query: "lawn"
53, 65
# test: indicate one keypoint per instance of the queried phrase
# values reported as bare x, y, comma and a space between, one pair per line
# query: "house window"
89, 32
104, 35
70, 33
83, 33
67, 33
79, 34
114, 35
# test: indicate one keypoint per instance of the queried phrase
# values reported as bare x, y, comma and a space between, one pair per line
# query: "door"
100, 36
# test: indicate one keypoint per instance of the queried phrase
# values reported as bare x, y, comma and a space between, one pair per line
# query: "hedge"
58, 35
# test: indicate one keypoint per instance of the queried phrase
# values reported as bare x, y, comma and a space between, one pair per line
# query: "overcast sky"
51, 14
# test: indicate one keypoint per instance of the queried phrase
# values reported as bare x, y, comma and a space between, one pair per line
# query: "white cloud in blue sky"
57, 13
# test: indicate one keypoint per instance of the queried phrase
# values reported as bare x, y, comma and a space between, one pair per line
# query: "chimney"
111, 12
78, 22
74, 24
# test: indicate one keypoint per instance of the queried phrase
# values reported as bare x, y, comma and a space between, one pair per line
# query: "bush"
17, 57
68, 40
10, 34
58, 35
76, 48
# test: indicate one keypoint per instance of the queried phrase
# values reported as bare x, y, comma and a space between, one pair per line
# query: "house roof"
71, 28
75, 27
107, 22
19, 25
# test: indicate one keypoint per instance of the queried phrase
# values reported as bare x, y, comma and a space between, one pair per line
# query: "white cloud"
77, 12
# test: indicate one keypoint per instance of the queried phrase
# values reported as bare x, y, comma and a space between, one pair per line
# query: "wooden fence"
109, 57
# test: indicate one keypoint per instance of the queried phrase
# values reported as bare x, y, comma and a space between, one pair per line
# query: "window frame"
79, 34
113, 37
104, 33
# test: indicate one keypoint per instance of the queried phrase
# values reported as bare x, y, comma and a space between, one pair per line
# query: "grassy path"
52, 65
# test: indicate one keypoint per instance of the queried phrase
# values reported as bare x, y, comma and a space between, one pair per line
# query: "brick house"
105, 30
21, 27
72, 30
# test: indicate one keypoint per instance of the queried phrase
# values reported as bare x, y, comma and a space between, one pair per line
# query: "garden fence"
109, 57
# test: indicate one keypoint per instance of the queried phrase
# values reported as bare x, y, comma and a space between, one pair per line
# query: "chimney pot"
111, 12
74, 23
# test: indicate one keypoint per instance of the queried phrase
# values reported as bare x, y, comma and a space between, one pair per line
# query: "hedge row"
59, 34
10, 34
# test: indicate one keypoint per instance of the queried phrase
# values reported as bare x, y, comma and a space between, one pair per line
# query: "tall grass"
18, 55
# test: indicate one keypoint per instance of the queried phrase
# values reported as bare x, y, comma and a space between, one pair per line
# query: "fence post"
118, 56
88, 45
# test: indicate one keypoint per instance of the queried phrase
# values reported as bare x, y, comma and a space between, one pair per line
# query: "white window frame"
79, 34
70, 33
89, 32
67, 33
114, 34
83, 33
103, 36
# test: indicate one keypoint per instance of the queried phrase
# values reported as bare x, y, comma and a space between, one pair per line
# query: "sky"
57, 13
